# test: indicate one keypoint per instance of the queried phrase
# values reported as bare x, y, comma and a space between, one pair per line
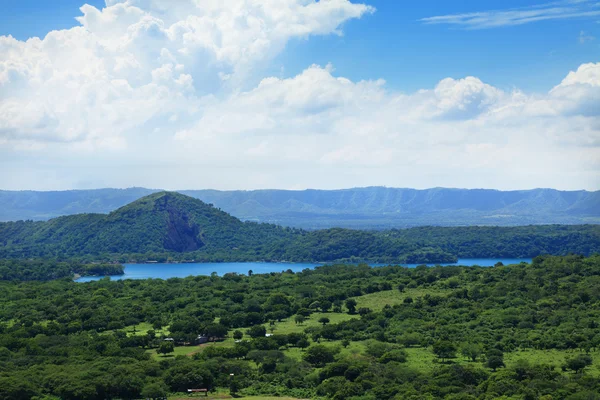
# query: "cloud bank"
161, 94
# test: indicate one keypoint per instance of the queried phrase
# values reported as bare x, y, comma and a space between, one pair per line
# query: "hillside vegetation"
526, 331
372, 207
169, 225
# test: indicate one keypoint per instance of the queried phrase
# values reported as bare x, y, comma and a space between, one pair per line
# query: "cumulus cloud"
168, 94
135, 61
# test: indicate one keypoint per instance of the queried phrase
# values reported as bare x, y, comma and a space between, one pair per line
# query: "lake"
166, 271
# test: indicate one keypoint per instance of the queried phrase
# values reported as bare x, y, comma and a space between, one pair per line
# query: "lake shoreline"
141, 271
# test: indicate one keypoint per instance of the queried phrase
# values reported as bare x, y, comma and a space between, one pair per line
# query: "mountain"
372, 207
160, 222
169, 225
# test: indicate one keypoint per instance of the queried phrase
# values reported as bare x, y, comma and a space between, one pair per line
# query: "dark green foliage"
166, 347
444, 349
319, 355
169, 226
67, 340
257, 331
45, 270
578, 363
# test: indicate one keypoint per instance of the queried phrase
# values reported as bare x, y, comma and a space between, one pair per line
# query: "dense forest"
46, 270
525, 331
169, 226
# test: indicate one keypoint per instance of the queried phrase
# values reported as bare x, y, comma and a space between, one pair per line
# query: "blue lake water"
166, 271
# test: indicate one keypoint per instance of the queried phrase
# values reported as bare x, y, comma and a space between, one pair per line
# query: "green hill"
168, 225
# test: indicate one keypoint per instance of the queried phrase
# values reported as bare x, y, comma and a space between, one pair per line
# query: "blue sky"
297, 94
395, 45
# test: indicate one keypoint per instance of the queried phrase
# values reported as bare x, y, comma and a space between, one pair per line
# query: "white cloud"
134, 62
565, 9
584, 37
156, 93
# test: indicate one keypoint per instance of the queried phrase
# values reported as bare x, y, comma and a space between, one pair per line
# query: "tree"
299, 319
154, 391
351, 306
303, 343
250, 272
444, 350
325, 305
471, 351
364, 311
215, 331
397, 355
494, 362
257, 331
238, 335
578, 364
324, 320
401, 287
186, 375
495, 359
234, 387
157, 324
318, 355
166, 347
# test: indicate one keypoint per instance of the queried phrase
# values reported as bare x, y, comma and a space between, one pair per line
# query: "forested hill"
372, 207
168, 225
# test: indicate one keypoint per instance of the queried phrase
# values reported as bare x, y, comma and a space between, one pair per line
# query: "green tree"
154, 391
444, 350
257, 331
238, 335
165, 347
324, 320
471, 351
318, 355
303, 343
579, 363
351, 306
494, 362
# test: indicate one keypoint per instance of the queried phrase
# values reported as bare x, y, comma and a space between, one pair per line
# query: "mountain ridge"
370, 207
171, 225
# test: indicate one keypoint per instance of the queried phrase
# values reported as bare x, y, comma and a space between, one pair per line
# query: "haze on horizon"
296, 94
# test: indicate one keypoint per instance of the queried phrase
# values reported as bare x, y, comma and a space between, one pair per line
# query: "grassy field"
143, 328
189, 350
224, 394
421, 359
376, 301
552, 357
289, 325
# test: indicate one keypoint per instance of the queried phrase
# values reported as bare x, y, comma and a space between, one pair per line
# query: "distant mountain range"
170, 225
363, 208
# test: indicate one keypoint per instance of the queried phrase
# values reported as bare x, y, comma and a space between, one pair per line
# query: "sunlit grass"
376, 301
289, 325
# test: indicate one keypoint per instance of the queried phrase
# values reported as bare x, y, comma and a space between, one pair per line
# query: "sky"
295, 94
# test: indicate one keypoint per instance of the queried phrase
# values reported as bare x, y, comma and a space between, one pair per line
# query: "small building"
201, 339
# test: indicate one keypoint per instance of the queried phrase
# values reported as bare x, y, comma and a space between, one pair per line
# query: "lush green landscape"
525, 331
342, 331
170, 226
